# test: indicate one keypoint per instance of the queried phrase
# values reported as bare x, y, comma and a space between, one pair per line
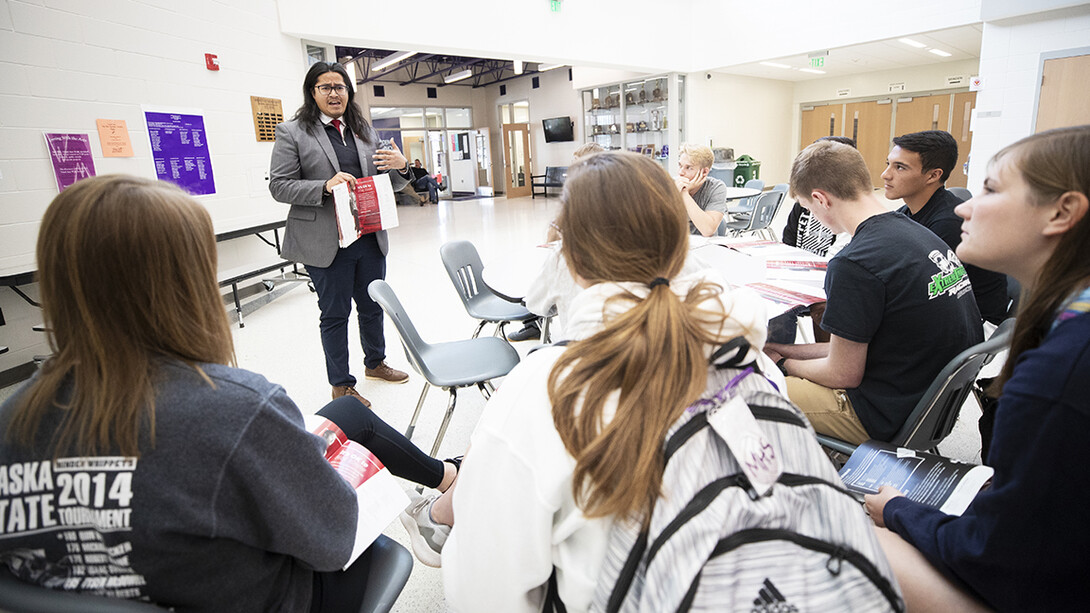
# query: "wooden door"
869, 124
962, 111
516, 159
923, 113
825, 120
1065, 87
414, 149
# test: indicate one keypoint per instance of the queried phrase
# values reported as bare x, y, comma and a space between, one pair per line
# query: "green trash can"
746, 168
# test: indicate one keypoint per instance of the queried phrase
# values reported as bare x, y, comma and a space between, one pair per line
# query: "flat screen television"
558, 129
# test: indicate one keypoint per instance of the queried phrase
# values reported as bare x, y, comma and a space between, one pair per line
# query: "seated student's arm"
838, 364
706, 221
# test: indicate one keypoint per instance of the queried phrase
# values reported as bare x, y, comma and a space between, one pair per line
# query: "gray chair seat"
450, 365
464, 363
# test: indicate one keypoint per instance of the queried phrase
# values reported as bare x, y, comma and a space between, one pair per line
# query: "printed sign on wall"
71, 157
180, 150
114, 136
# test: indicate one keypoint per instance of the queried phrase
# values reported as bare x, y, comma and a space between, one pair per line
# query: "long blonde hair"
622, 219
127, 273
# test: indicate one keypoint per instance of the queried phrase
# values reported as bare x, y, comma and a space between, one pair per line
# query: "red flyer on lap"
378, 495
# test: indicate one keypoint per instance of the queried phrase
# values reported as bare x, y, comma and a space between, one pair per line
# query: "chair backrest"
20, 597
464, 267
937, 411
767, 205
415, 347
781, 187
750, 202
723, 229
960, 192
726, 175
390, 567
1014, 295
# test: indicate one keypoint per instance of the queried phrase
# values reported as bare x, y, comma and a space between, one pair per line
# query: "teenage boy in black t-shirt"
916, 171
900, 306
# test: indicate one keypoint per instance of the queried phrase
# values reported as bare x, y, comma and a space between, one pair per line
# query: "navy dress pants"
345, 280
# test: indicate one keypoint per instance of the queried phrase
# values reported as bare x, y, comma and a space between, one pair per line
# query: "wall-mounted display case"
644, 116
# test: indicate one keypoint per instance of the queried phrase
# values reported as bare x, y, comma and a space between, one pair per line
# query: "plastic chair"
391, 565
937, 411
464, 266
960, 192
746, 205
450, 365
19, 597
726, 175
761, 218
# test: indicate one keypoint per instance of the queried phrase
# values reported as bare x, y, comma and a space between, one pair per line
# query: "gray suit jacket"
301, 164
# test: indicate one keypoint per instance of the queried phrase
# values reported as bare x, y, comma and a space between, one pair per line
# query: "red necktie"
337, 124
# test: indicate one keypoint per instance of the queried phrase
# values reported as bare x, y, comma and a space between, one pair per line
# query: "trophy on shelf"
629, 98
614, 128
641, 126
630, 127
657, 95
595, 104
643, 96
655, 120
665, 152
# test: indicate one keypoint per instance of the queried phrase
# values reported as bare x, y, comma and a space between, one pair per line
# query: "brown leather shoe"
383, 372
348, 390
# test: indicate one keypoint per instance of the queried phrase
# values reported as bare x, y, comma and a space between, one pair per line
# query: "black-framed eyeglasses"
326, 88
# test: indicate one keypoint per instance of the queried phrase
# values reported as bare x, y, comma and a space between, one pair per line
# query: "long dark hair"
1051, 163
310, 115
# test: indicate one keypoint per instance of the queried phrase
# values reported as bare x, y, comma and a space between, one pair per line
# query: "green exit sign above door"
554, 5
817, 62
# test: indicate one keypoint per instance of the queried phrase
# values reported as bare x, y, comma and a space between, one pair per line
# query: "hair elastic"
658, 281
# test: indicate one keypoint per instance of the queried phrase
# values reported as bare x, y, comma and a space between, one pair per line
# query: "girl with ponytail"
572, 442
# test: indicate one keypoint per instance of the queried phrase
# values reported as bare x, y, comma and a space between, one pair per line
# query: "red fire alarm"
211, 62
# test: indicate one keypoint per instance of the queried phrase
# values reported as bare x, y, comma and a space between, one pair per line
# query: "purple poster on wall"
180, 151
71, 156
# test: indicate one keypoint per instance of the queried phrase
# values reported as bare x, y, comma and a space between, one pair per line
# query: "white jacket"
515, 517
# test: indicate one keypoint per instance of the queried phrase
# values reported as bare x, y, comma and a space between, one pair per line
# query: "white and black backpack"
714, 544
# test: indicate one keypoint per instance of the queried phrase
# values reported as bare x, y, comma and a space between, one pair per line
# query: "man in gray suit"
328, 142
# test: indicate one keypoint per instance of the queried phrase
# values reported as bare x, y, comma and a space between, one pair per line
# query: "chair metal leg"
479, 328
546, 337
487, 389
446, 420
416, 413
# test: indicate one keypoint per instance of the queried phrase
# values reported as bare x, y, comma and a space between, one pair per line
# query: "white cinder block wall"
1010, 64
66, 63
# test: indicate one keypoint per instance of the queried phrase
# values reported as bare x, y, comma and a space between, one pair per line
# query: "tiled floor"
281, 338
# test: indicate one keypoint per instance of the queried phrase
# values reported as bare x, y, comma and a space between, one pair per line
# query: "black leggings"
396, 452
342, 591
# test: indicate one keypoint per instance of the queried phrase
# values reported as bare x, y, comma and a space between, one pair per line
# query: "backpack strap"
731, 354
553, 604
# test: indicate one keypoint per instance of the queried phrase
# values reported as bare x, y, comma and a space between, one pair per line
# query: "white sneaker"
426, 536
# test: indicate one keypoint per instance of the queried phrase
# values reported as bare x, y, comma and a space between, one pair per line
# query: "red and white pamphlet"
368, 208
378, 496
